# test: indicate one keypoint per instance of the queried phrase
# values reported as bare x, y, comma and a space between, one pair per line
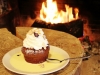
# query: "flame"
49, 13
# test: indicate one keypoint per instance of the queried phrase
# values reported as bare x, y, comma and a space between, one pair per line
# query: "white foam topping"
36, 39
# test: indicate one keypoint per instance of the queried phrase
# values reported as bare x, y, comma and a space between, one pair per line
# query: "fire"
50, 14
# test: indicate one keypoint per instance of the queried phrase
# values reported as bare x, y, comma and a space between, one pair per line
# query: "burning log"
53, 18
74, 27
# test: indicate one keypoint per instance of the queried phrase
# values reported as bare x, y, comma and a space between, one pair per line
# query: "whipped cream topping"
36, 39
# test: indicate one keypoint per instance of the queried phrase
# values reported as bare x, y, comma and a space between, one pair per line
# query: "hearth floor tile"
91, 66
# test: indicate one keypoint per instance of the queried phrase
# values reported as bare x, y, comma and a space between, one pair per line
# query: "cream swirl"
36, 39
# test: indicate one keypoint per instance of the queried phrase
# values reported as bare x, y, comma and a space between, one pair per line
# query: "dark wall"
27, 7
90, 6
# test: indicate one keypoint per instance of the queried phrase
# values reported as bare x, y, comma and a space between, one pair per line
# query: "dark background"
90, 8
87, 8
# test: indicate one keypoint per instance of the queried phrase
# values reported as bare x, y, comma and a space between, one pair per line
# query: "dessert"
35, 46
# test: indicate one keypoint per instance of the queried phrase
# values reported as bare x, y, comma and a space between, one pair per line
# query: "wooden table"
63, 40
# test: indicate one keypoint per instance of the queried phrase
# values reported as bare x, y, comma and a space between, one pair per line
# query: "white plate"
53, 51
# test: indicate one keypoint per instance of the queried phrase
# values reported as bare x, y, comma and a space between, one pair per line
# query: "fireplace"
88, 11
58, 15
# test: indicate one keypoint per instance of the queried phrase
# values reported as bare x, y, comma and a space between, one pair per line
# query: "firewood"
74, 27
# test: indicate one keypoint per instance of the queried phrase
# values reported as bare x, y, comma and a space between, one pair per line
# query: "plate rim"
31, 73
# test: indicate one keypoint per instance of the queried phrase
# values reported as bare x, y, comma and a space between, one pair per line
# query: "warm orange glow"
49, 13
